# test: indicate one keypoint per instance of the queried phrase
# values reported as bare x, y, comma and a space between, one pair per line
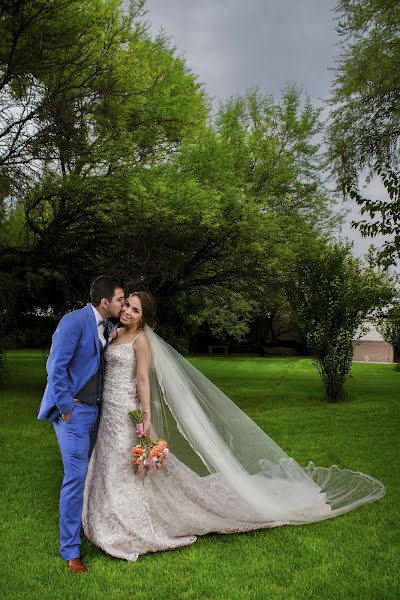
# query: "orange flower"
155, 451
137, 450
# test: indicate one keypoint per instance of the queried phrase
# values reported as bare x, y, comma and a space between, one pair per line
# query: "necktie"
104, 324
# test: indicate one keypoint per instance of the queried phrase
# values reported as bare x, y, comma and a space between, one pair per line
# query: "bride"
223, 473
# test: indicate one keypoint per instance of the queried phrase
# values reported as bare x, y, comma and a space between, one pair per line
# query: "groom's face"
114, 307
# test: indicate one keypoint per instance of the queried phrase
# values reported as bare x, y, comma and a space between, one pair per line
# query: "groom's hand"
67, 416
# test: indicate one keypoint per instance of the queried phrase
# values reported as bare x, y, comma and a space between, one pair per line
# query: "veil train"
211, 435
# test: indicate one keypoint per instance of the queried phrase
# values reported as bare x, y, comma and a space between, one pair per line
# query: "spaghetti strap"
136, 336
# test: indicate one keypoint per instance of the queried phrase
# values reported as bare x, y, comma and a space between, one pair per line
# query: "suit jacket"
74, 359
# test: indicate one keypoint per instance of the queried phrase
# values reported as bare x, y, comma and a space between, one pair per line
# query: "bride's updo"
148, 308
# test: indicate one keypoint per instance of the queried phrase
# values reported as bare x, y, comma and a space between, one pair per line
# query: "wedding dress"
223, 473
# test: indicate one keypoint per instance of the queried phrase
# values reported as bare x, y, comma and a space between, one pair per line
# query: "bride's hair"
148, 308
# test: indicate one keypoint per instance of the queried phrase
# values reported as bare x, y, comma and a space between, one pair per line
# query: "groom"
72, 398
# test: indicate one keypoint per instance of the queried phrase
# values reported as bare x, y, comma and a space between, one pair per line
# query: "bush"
331, 294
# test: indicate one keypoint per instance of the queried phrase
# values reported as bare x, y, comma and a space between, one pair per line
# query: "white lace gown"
127, 516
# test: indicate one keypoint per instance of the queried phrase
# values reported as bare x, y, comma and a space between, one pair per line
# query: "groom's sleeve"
64, 343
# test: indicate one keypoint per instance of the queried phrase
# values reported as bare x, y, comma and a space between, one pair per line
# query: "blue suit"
74, 359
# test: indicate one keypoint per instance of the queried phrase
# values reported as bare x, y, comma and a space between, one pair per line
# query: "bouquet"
149, 455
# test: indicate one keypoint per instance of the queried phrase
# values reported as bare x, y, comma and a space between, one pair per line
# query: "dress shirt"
100, 325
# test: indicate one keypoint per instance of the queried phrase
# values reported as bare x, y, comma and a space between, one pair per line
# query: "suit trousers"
76, 439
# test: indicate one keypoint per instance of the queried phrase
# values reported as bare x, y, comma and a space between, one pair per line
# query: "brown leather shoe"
75, 565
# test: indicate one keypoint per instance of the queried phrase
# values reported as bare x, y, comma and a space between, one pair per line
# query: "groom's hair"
103, 287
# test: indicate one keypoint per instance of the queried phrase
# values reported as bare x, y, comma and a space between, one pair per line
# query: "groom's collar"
97, 315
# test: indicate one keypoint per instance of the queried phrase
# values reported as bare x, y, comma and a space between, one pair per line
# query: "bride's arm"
143, 358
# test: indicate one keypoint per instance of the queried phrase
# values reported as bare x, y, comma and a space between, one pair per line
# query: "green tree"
242, 203
383, 215
185, 222
130, 179
365, 123
330, 295
55, 63
112, 101
275, 153
191, 235
271, 148
389, 326
364, 132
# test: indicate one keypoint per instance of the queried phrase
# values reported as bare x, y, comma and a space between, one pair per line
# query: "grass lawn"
351, 557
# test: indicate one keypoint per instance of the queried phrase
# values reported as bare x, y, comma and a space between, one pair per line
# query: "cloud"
233, 45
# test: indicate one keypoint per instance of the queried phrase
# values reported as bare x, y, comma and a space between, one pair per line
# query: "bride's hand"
146, 423
113, 334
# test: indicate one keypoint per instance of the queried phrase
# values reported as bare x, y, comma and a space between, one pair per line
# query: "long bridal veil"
211, 435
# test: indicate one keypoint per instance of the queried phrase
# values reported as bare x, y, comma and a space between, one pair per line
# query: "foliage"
252, 180
55, 65
120, 172
196, 243
109, 101
2, 365
275, 154
364, 132
388, 212
389, 326
193, 228
331, 294
365, 123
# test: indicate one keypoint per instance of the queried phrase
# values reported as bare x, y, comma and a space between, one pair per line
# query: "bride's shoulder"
141, 342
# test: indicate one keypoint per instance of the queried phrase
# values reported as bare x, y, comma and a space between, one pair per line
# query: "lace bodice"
120, 392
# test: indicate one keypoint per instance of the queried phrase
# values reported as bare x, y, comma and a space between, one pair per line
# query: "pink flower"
150, 464
140, 429
149, 455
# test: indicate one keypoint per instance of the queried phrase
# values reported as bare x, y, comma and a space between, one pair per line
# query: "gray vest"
92, 392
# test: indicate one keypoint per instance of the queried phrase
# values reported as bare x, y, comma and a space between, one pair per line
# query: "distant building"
371, 347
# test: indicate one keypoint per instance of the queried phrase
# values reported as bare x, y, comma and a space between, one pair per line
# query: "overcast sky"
232, 45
